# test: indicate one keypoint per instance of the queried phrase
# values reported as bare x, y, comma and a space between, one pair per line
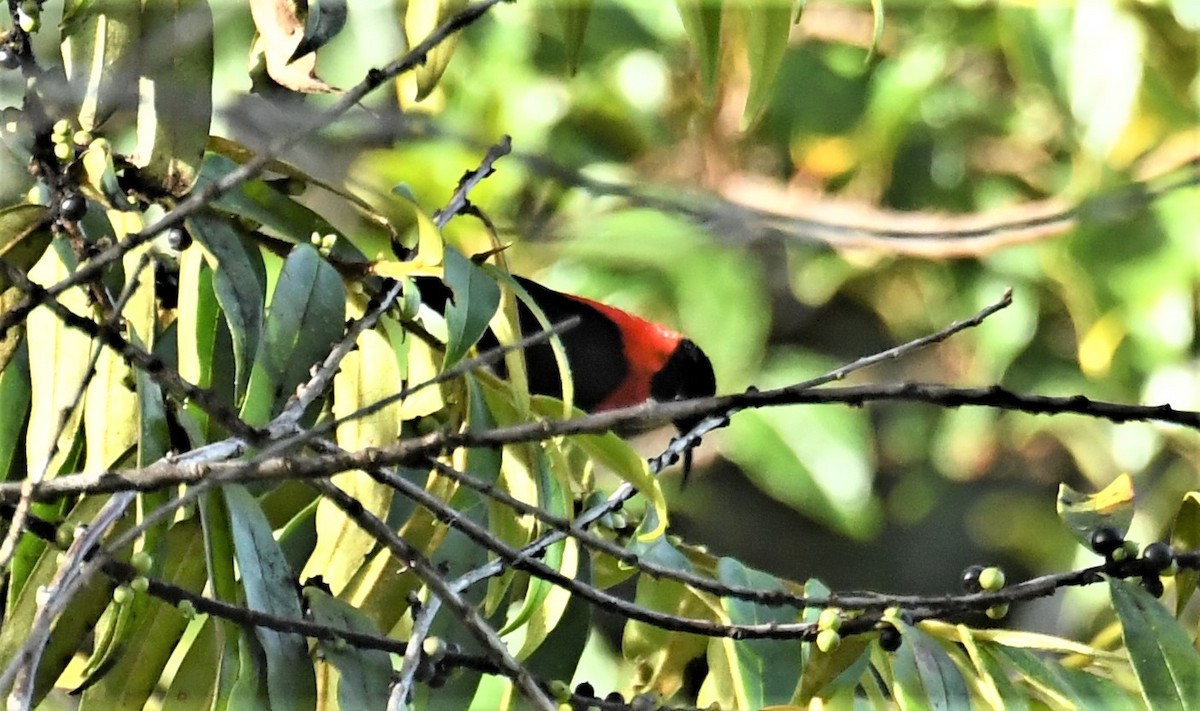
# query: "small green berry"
142, 562
998, 612
991, 579
828, 640
560, 691
63, 151
140, 584
122, 594
64, 535
187, 608
830, 619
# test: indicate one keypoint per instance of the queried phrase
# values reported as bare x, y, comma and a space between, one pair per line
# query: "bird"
617, 359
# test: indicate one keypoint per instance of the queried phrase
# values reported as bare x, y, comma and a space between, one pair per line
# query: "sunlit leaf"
194, 686
57, 366
1084, 513
1103, 86
421, 18
281, 28
1161, 651
73, 626
367, 375
150, 638
101, 57
174, 92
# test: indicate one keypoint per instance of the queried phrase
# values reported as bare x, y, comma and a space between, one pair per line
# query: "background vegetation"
792, 194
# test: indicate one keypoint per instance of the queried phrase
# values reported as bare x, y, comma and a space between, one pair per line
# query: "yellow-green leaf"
174, 92
1084, 513
101, 57
702, 22
24, 236
574, 15
766, 25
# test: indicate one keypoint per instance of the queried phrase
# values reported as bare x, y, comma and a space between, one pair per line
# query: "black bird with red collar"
617, 359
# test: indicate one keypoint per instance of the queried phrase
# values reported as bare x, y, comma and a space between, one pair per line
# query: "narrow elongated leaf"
476, 297
420, 19
150, 639
944, 685
57, 366
308, 310
1185, 536
574, 19
363, 674
270, 586
1165, 661
702, 22
73, 626
324, 20
367, 374
14, 402
766, 25
194, 686
174, 91
764, 670
239, 282
101, 57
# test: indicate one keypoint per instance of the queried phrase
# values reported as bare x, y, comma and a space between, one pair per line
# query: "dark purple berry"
72, 208
614, 697
1153, 585
890, 638
178, 239
1106, 540
585, 690
9, 58
970, 579
1158, 556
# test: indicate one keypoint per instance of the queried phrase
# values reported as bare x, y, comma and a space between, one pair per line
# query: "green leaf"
101, 54
175, 92
77, 621
1165, 662
1084, 513
149, 639
14, 402
764, 670
702, 22
270, 587
324, 20
944, 685
24, 236
308, 312
573, 15
194, 686
476, 297
1185, 536
767, 25
239, 280
286, 219
364, 675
